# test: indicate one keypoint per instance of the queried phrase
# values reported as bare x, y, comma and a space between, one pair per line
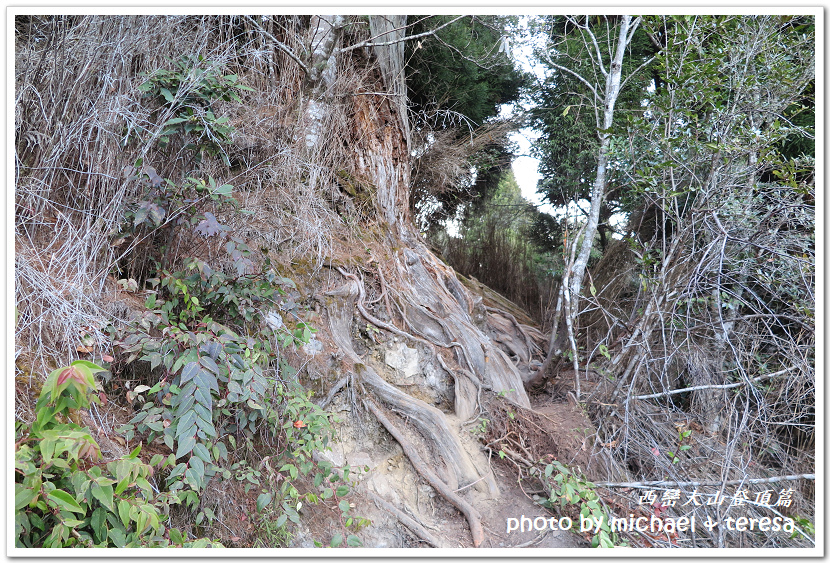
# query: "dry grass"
76, 99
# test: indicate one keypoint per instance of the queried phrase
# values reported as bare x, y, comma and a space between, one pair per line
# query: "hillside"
234, 324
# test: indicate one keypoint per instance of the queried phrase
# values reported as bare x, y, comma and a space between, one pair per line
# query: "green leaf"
175, 536
336, 540
104, 494
140, 216
189, 372
224, 189
22, 496
342, 490
201, 452
122, 485
167, 95
353, 541
186, 444
281, 521
186, 424
118, 537
65, 501
208, 362
262, 501
194, 478
344, 506
98, 523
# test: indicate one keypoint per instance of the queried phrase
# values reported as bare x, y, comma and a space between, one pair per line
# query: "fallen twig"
647, 484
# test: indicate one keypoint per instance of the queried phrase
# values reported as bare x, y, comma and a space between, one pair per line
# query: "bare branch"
368, 42
282, 46
639, 68
726, 386
650, 484
598, 60
575, 75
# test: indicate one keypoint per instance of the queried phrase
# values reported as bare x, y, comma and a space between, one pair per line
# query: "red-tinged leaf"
65, 374
103, 397
107, 358
655, 451
299, 424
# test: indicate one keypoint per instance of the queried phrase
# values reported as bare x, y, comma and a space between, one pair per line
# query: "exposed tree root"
430, 421
472, 515
435, 311
414, 526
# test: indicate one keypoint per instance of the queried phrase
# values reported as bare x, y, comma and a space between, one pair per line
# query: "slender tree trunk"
612, 91
572, 287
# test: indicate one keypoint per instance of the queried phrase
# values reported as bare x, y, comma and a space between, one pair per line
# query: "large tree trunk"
435, 312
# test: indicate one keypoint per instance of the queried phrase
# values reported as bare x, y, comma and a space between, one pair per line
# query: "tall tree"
603, 85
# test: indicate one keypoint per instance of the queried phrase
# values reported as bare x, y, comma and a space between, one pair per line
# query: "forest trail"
239, 248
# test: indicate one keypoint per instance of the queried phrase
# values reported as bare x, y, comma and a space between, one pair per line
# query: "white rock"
403, 358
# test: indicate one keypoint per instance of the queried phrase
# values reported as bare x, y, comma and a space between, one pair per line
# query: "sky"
525, 169
524, 166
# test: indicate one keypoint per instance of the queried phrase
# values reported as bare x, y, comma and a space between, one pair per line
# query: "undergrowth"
66, 497
219, 395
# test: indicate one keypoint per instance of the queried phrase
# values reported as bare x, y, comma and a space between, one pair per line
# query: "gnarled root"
431, 422
470, 513
414, 526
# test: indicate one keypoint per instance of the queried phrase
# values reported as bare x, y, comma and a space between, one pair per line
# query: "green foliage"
219, 386
568, 488
216, 392
165, 203
327, 486
681, 447
497, 248
65, 497
564, 111
186, 92
461, 68
214, 380
805, 525
183, 97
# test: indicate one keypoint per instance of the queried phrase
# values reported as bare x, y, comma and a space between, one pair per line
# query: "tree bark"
572, 286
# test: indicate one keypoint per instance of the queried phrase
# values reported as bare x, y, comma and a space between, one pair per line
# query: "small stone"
403, 358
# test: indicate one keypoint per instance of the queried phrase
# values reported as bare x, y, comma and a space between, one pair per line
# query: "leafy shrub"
568, 488
207, 337
165, 202
186, 92
66, 497
214, 340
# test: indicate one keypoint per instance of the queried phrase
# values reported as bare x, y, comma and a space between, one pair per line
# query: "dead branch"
284, 48
368, 43
725, 386
649, 484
